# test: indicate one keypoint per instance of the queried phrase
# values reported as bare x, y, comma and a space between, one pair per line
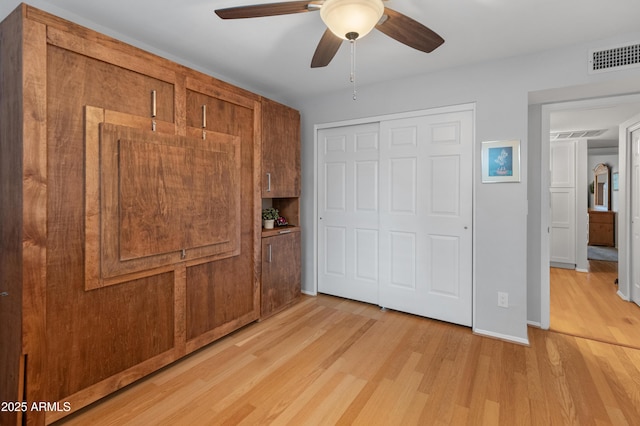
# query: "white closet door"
426, 216
348, 212
563, 202
563, 225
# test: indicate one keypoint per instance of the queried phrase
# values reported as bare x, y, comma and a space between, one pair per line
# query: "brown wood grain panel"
35, 198
257, 201
217, 296
281, 276
134, 61
178, 212
205, 85
11, 214
112, 87
90, 394
280, 150
174, 194
92, 335
224, 295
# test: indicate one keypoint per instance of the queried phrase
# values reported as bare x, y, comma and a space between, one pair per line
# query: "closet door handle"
268, 182
268, 253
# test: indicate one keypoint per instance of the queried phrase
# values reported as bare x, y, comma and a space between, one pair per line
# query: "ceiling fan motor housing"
346, 17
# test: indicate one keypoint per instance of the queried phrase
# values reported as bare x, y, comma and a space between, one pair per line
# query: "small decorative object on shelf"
269, 216
281, 221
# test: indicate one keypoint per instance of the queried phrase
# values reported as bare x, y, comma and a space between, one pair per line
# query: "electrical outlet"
503, 299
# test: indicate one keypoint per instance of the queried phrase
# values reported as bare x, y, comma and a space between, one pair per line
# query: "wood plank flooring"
586, 305
329, 361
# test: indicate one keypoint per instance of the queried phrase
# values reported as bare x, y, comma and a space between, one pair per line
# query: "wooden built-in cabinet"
280, 151
280, 271
281, 278
130, 224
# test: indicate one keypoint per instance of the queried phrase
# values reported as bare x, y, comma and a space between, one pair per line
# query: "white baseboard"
309, 293
622, 296
511, 339
534, 324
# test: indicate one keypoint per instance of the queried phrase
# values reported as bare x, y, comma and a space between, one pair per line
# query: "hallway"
586, 305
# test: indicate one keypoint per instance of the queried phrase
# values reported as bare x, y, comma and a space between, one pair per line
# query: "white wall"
501, 91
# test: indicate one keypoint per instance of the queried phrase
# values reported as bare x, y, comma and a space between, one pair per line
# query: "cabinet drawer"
603, 217
601, 234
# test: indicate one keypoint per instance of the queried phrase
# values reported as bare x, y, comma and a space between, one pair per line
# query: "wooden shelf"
280, 230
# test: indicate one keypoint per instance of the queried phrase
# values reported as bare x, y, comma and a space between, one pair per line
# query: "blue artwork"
501, 161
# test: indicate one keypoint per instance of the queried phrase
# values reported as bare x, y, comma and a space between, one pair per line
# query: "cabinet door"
280, 272
223, 295
280, 150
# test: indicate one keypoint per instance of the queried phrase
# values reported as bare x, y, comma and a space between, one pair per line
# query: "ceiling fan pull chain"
353, 67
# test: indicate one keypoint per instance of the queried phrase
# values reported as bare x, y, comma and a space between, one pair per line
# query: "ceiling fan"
345, 20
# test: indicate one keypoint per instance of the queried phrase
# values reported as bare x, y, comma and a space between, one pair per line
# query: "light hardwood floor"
333, 361
586, 305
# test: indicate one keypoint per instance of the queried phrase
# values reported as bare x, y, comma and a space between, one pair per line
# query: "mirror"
602, 187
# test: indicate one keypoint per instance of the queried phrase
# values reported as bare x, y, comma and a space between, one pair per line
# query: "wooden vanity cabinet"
280, 150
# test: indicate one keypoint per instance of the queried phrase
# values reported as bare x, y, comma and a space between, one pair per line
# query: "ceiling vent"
615, 58
576, 134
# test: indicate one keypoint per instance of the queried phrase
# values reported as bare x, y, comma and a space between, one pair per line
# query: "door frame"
438, 110
545, 145
624, 204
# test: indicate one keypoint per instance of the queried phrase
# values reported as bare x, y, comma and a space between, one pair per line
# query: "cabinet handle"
4, 294
286, 231
204, 116
204, 122
153, 104
153, 110
268, 253
268, 182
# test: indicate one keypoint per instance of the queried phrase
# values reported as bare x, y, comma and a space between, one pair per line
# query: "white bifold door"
395, 214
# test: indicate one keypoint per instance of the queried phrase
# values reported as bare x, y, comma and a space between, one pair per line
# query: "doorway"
571, 276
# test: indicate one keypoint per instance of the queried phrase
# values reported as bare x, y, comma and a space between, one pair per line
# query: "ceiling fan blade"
269, 9
326, 50
409, 32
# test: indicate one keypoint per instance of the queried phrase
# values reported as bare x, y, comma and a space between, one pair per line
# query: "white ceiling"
605, 118
271, 55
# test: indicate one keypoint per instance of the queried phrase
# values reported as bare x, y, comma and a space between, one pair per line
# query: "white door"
563, 202
563, 219
348, 212
635, 216
426, 216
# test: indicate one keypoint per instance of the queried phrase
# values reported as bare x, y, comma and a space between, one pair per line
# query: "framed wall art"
501, 161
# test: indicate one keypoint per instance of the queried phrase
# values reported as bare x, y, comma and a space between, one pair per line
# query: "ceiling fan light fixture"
344, 17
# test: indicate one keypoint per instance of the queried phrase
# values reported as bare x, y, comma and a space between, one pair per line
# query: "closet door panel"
348, 195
